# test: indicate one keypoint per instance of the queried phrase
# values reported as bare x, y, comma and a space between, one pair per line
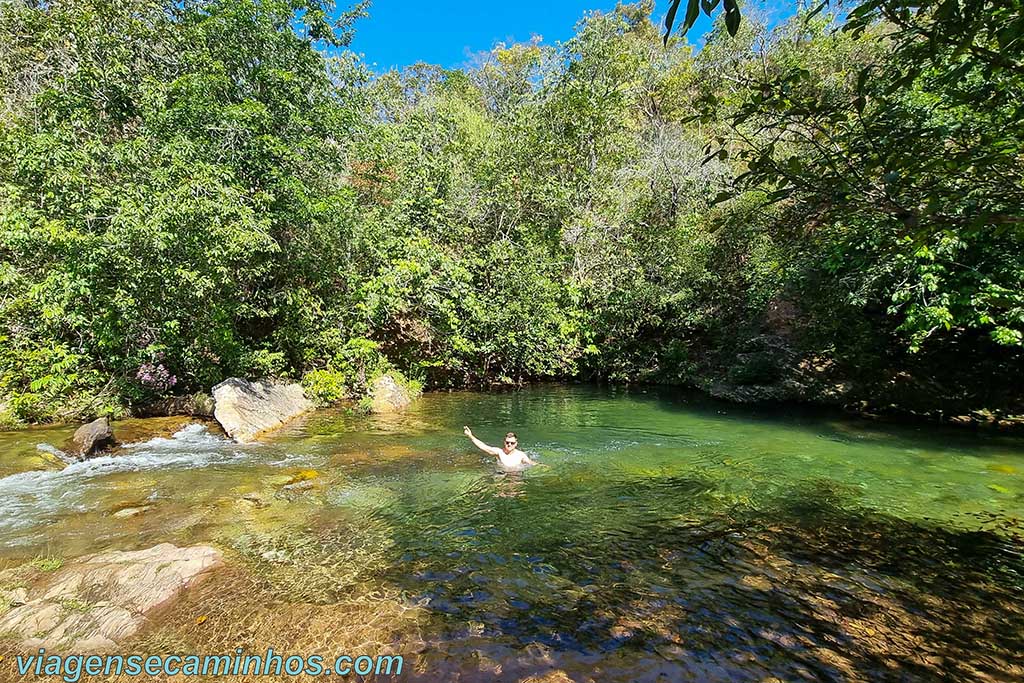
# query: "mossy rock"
391, 393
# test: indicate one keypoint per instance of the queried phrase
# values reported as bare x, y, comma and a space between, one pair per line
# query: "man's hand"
468, 432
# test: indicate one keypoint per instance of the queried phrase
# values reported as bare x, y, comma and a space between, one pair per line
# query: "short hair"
512, 435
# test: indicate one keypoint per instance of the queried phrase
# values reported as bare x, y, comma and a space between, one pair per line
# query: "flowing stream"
664, 537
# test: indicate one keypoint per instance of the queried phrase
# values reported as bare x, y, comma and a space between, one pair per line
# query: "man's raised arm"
480, 444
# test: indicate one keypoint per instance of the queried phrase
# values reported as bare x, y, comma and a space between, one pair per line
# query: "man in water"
510, 456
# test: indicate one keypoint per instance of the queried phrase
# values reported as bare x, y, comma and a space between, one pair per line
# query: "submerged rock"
388, 396
91, 438
248, 409
131, 511
95, 602
302, 476
135, 431
54, 455
303, 481
255, 500
290, 489
278, 556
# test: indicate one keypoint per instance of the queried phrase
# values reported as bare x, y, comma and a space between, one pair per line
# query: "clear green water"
665, 537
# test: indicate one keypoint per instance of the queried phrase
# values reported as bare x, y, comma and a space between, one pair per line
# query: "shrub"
324, 387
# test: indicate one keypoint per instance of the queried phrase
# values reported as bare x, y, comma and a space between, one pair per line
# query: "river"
665, 537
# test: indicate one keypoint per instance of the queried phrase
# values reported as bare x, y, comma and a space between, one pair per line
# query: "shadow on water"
826, 421
806, 588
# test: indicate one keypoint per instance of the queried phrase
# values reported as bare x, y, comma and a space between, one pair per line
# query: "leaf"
692, 12
862, 79
708, 158
814, 12
779, 195
37, 385
732, 17
670, 19
708, 6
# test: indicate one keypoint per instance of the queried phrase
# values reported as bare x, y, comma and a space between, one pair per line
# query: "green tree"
171, 186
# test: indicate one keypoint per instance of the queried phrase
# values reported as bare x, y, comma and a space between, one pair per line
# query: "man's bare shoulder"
523, 457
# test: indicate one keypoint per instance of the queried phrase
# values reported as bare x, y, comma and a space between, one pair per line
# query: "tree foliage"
190, 191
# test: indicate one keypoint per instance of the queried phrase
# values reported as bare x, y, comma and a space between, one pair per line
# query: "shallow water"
665, 537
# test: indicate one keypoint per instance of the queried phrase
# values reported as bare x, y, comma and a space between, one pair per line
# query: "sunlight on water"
663, 535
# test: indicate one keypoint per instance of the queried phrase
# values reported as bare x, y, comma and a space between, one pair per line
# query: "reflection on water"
665, 538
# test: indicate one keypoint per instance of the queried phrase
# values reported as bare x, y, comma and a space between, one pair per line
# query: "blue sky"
446, 32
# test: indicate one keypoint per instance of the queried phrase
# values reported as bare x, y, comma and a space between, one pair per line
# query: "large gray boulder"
90, 439
95, 602
388, 396
248, 409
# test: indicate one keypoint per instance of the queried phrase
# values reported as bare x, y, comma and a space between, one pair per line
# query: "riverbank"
775, 396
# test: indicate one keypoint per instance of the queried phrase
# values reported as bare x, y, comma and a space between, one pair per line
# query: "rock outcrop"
388, 396
248, 409
768, 369
199, 404
90, 439
95, 602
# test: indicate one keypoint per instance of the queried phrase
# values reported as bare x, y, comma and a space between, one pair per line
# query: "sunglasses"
510, 443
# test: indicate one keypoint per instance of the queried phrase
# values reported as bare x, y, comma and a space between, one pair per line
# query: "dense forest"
825, 210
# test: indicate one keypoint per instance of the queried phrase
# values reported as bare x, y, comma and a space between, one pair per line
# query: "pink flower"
156, 376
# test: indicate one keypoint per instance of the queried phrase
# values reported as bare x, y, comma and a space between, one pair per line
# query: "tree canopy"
190, 191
